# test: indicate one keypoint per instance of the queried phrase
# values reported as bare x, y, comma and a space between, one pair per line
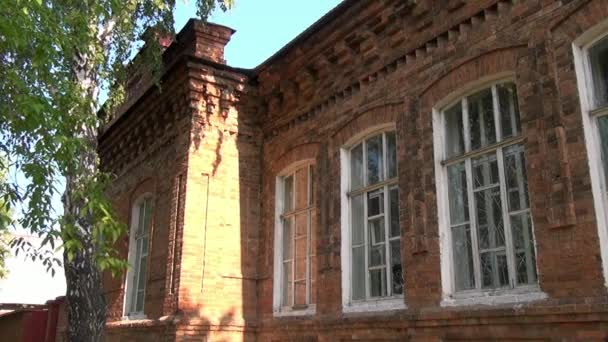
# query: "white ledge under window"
391, 304
495, 297
289, 312
135, 317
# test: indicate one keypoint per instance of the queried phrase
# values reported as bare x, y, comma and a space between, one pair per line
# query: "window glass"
138, 258
598, 55
498, 217
391, 145
481, 119
375, 163
297, 246
356, 167
454, 131
602, 122
376, 269
509, 110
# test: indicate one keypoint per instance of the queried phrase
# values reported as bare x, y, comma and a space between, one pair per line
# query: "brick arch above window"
367, 120
490, 65
146, 186
582, 18
294, 155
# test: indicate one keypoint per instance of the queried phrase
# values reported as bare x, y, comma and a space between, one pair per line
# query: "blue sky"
262, 26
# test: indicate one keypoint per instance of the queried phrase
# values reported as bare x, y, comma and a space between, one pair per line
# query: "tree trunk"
86, 303
85, 297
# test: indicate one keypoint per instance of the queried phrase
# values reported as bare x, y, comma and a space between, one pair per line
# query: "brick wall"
229, 132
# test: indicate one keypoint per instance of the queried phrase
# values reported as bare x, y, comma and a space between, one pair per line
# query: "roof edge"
326, 19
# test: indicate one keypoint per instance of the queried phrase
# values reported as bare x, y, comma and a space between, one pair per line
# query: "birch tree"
57, 58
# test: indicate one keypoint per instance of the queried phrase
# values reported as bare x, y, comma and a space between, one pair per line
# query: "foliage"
5, 221
57, 58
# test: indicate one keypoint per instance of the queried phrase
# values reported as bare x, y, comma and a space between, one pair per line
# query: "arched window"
591, 61
371, 234
482, 190
295, 270
139, 231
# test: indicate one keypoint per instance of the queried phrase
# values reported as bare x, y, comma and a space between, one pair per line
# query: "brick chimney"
205, 40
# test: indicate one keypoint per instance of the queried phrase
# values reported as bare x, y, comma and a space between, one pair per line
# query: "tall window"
138, 257
492, 244
375, 238
296, 253
598, 65
591, 60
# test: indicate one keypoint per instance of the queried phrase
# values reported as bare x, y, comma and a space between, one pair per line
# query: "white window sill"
288, 312
375, 305
509, 296
135, 317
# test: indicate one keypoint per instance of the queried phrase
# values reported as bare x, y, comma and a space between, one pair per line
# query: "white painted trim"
510, 296
393, 303
580, 49
311, 310
277, 308
128, 287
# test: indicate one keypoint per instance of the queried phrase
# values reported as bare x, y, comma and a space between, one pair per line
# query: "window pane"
141, 281
300, 293
286, 291
494, 272
311, 189
377, 250
598, 54
454, 131
357, 220
523, 242
490, 228
377, 279
375, 162
288, 194
376, 231
396, 270
144, 245
481, 119
485, 171
358, 271
148, 215
463, 258
459, 202
139, 304
313, 279
509, 110
516, 177
603, 128
302, 188
391, 144
302, 224
356, 167
394, 213
287, 238
300, 259
141, 212
375, 203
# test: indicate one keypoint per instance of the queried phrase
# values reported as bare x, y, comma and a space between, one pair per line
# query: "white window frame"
395, 302
278, 309
132, 272
451, 297
586, 89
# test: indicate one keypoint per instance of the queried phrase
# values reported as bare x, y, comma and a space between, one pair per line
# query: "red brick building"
403, 170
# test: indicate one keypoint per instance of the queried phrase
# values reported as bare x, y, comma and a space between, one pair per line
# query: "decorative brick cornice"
409, 58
